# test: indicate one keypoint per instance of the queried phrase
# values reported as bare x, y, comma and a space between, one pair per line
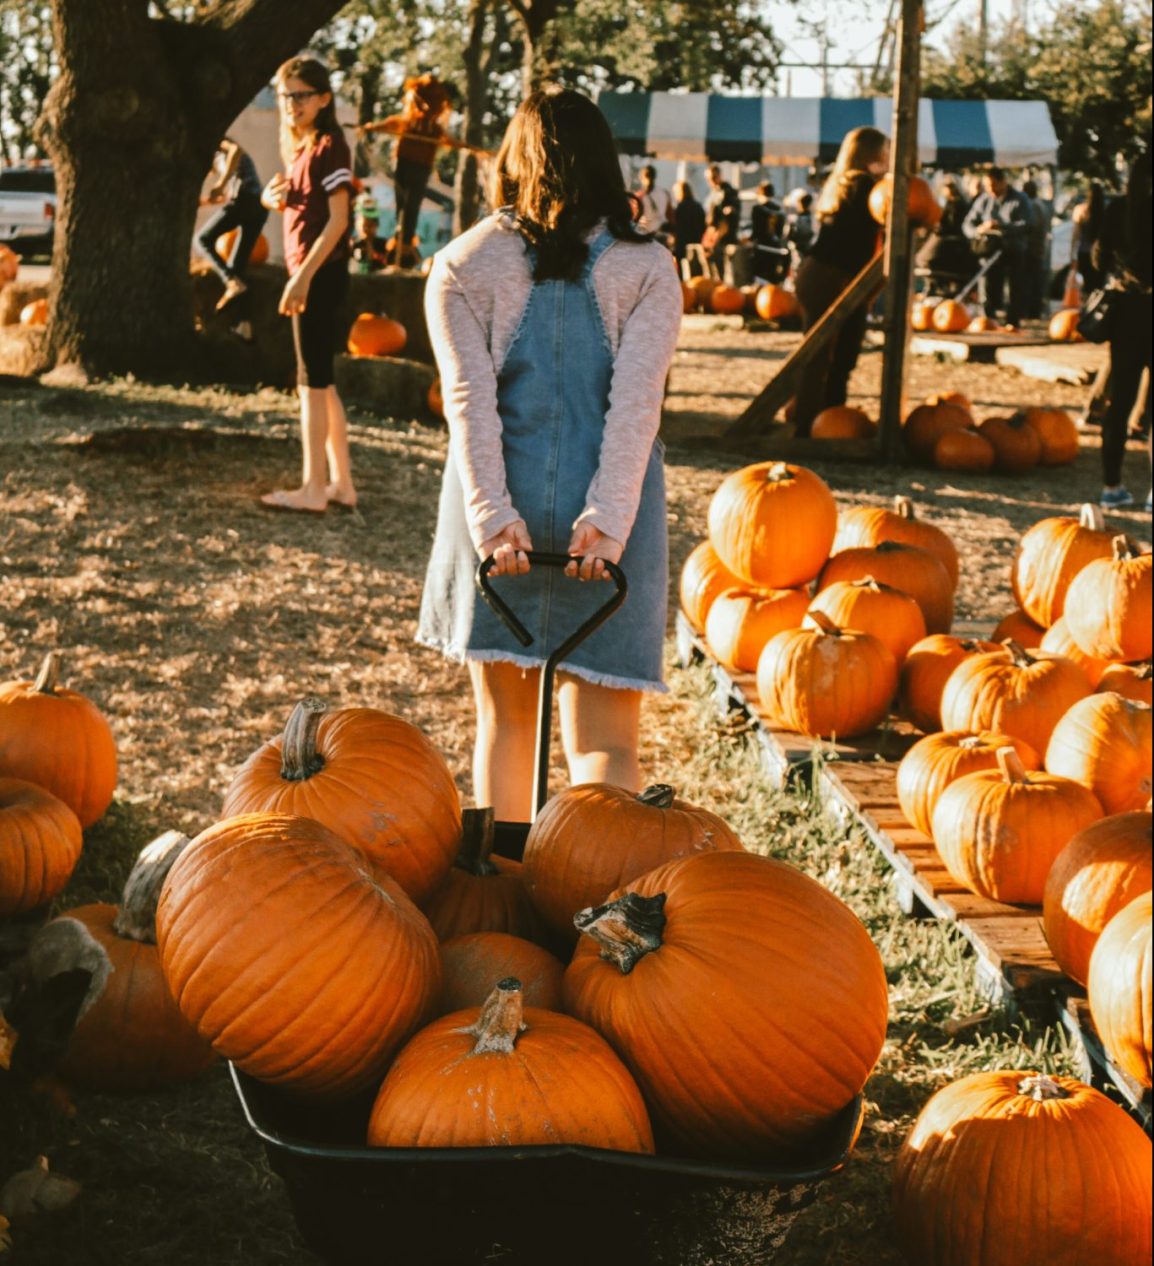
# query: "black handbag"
1096, 320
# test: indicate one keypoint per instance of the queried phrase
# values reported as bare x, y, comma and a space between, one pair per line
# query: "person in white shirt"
656, 206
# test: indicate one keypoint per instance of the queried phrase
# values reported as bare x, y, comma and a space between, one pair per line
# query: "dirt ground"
131, 540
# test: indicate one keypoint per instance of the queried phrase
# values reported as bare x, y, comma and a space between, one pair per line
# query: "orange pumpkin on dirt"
1017, 446
227, 242
726, 300
923, 206
842, 422
775, 303
927, 422
963, 450
951, 317
1058, 434
922, 314
1063, 327
373, 335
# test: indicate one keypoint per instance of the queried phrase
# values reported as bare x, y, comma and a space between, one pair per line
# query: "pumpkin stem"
889, 547
778, 473
626, 929
971, 741
903, 507
1010, 763
500, 1023
46, 678
299, 756
1091, 517
659, 796
476, 842
1018, 653
1146, 670
868, 582
136, 918
1041, 1088
1124, 547
824, 623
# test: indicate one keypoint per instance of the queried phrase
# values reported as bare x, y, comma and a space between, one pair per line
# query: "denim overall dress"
552, 397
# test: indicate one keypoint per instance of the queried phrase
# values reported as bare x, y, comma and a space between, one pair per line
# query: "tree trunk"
132, 123
538, 56
466, 185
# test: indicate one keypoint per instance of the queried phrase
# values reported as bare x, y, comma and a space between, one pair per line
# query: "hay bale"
21, 350
386, 385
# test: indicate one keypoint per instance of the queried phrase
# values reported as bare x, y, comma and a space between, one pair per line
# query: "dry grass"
130, 539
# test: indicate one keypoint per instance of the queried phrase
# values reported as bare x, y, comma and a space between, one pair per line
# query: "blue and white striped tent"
699, 126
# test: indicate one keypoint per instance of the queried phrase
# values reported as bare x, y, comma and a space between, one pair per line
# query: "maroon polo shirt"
317, 171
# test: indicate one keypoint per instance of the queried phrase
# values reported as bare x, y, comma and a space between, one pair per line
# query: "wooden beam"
898, 247
783, 385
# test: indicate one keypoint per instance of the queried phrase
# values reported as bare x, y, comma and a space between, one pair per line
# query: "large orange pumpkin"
1063, 327
373, 335
938, 760
923, 207
504, 1076
906, 567
471, 967
963, 450
1131, 681
371, 777
978, 1183
927, 422
1049, 555
842, 422
772, 524
130, 1035
922, 314
1018, 627
1012, 691
1017, 446
1103, 868
287, 952
775, 303
1057, 640
1121, 992
482, 892
1109, 604
866, 526
1058, 434
825, 681
893, 617
951, 317
703, 977
741, 621
703, 577
591, 839
40, 842
999, 831
924, 674
1104, 742
58, 739
726, 300
227, 243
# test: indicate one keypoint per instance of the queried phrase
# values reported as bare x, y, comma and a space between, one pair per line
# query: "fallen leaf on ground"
36, 1190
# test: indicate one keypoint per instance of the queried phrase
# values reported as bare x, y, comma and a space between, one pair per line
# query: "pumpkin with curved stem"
703, 577
40, 843
998, 831
1102, 869
963, 450
130, 1035
1131, 681
506, 1076
772, 524
924, 674
1063, 327
927, 422
1017, 447
1104, 742
890, 615
1057, 640
825, 681
58, 739
863, 527
923, 207
775, 303
1012, 691
1121, 989
1000, 1168
1109, 604
906, 567
373, 335
292, 956
371, 777
741, 621
702, 976
471, 966
591, 839
938, 760
1049, 555
842, 422
1058, 433
482, 892
951, 317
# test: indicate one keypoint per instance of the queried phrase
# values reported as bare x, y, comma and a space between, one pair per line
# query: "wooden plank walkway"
857, 781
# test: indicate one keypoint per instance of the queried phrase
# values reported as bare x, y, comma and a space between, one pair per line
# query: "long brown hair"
557, 170
315, 73
859, 148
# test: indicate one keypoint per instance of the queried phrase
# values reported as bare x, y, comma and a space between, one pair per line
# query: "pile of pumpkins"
951, 316
770, 302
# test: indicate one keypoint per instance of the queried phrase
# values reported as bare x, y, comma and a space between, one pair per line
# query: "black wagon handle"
545, 703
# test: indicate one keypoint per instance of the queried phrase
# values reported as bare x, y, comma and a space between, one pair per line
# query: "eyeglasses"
297, 97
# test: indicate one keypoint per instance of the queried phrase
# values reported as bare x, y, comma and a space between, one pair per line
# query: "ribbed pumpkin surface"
1104, 742
743, 1035
742, 620
1131, 681
40, 842
703, 577
1050, 554
473, 965
1121, 988
909, 568
924, 674
1058, 641
290, 957
1109, 605
890, 615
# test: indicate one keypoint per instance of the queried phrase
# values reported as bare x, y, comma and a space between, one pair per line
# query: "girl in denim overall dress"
554, 323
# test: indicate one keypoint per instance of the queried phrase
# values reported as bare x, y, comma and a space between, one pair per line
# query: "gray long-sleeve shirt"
1011, 213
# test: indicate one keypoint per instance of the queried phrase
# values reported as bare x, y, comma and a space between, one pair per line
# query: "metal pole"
898, 255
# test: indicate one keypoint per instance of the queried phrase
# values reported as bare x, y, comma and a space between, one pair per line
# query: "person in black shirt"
688, 219
847, 239
766, 225
722, 214
236, 191
999, 220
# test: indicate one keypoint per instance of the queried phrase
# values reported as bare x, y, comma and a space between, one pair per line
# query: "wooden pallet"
1096, 1067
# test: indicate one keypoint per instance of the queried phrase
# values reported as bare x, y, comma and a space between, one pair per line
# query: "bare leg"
600, 731
340, 486
314, 432
505, 754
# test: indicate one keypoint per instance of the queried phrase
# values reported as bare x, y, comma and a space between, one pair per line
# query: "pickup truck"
27, 209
